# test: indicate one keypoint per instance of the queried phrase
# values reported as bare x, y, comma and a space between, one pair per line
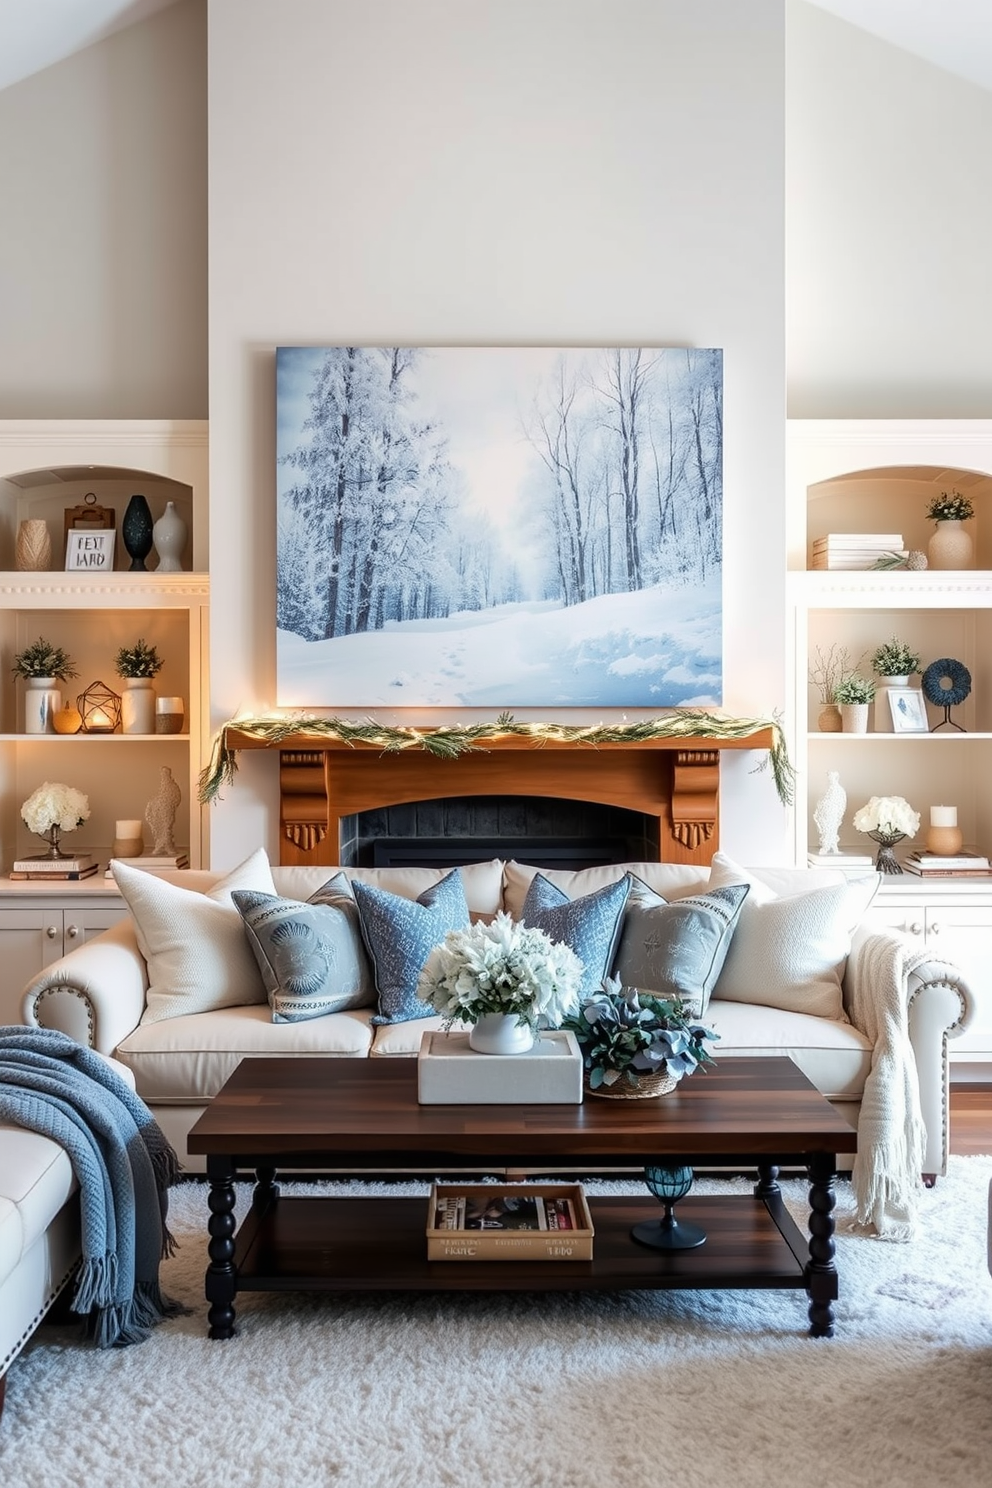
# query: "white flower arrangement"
887, 814
501, 967
55, 806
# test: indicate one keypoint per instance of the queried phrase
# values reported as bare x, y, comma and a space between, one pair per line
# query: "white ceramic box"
450, 1073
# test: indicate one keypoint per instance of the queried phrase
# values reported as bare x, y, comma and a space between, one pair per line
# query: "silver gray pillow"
311, 954
677, 949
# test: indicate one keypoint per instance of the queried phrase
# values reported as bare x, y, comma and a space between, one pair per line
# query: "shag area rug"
580, 1390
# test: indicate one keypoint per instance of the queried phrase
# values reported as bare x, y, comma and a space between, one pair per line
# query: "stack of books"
153, 863
958, 865
850, 550
55, 870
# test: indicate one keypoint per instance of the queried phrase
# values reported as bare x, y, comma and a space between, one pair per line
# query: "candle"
943, 816
99, 721
129, 829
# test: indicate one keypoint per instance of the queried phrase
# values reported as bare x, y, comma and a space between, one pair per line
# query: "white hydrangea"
887, 814
501, 967
55, 806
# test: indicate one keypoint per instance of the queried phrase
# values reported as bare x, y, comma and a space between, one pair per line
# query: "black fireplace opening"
547, 832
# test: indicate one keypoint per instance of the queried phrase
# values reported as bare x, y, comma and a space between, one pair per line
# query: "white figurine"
160, 814
829, 813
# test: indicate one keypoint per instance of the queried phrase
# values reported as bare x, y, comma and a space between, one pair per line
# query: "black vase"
137, 530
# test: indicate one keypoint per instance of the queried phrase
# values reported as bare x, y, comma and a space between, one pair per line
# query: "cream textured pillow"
195, 945
790, 952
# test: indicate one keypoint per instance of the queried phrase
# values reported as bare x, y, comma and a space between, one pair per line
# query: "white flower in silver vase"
888, 814
55, 805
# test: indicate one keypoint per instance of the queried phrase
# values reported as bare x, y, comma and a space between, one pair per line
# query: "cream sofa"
39, 1232
97, 994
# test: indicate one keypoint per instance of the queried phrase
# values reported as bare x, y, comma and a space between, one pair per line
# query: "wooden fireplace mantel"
675, 781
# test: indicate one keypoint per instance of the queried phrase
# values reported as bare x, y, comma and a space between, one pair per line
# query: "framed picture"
909, 714
89, 548
499, 527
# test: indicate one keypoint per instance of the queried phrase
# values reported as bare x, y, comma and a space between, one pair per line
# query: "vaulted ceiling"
953, 34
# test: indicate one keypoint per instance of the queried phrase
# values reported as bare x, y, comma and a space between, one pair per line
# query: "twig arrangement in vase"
826, 672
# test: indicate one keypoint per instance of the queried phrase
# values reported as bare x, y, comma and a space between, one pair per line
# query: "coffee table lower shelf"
380, 1244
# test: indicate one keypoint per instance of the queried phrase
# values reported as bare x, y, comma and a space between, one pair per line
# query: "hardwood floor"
971, 1119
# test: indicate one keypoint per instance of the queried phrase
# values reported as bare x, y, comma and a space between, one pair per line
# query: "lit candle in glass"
99, 721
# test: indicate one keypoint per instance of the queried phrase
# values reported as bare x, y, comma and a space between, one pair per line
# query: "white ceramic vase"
42, 699
169, 538
951, 546
854, 718
138, 706
500, 1033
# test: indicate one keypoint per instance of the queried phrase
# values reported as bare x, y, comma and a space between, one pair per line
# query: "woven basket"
648, 1086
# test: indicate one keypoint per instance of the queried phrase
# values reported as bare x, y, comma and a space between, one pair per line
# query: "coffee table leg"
266, 1190
821, 1273
767, 1183
221, 1279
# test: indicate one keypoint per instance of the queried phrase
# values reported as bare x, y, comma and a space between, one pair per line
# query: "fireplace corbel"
323, 781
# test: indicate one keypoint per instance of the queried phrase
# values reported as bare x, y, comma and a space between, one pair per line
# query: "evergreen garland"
451, 740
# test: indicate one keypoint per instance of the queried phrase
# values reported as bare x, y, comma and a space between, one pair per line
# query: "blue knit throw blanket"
124, 1167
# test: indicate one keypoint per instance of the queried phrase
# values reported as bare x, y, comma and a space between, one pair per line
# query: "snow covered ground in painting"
654, 648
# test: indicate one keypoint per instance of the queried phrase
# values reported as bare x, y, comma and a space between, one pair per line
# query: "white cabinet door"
31, 939
964, 936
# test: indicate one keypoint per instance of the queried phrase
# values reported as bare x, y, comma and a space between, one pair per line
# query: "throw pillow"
310, 954
677, 949
590, 925
791, 952
194, 944
400, 934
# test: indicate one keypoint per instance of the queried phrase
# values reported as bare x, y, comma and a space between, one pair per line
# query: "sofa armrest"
95, 994
939, 1005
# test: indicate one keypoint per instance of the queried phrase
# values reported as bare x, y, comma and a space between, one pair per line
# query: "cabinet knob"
916, 928
72, 931
935, 929
51, 931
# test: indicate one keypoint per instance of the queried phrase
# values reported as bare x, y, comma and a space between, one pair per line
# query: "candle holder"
100, 708
669, 1184
886, 862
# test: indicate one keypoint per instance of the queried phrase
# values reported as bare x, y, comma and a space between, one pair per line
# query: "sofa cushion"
829, 1051
590, 924
482, 882
36, 1179
311, 954
400, 934
672, 880
678, 949
183, 1060
194, 944
790, 951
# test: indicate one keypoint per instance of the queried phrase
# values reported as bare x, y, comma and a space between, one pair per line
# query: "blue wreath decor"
956, 673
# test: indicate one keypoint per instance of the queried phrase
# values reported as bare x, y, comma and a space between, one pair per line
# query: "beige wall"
889, 220
103, 245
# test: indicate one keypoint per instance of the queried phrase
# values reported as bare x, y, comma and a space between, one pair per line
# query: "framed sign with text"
90, 549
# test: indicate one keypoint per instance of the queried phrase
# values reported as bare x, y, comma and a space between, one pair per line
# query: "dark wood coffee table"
361, 1115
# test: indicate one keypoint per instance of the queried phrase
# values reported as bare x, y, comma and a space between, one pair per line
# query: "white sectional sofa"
99, 993
39, 1232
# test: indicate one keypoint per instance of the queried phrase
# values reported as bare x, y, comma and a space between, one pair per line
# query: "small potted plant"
634, 1044
826, 670
896, 662
853, 694
951, 545
138, 664
42, 665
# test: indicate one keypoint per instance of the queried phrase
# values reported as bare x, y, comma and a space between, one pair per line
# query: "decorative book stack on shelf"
854, 550
844, 862
153, 862
55, 870
957, 865
514, 1222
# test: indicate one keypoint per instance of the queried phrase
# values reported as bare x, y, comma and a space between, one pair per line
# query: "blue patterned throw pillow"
590, 925
310, 954
401, 933
677, 949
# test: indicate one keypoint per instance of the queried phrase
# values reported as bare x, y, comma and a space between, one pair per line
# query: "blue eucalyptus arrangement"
624, 1033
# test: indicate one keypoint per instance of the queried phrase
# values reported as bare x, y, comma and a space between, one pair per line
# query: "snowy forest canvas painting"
499, 527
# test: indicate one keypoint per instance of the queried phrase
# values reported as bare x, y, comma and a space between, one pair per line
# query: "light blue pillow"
590, 925
677, 949
400, 934
310, 954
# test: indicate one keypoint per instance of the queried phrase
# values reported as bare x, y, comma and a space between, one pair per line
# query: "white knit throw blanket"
887, 1176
